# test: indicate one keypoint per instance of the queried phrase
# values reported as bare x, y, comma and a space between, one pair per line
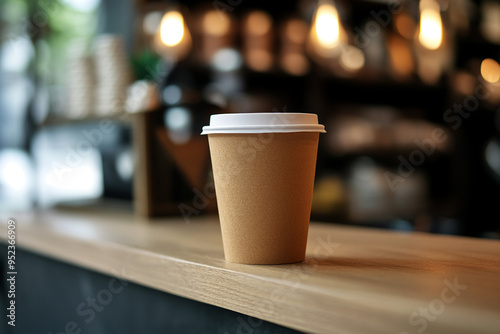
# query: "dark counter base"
53, 297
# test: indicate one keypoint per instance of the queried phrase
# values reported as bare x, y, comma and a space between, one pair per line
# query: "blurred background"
102, 103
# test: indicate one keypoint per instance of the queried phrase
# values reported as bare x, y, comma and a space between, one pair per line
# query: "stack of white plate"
113, 74
80, 82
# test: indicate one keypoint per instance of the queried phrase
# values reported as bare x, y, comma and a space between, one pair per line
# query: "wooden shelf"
354, 280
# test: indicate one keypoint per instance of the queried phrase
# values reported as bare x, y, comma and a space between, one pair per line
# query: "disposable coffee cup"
263, 166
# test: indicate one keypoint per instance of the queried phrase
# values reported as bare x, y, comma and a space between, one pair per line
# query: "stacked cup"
80, 82
113, 74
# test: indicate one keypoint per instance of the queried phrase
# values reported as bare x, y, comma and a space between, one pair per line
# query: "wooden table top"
354, 280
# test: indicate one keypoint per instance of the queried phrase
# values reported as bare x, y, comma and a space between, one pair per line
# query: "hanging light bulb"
173, 39
490, 70
327, 26
431, 26
172, 28
328, 42
432, 46
327, 32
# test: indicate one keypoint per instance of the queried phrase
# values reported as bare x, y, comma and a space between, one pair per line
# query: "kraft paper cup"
264, 165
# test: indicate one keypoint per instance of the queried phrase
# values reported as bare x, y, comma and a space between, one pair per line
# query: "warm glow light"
431, 27
172, 41
405, 26
327, 35
400, 56
490, 70
216, 23
258, 23
295, 64
296, 31
352, 59
259, 60
327, 26
172, 28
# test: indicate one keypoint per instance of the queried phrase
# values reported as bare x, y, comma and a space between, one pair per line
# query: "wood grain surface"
354, 280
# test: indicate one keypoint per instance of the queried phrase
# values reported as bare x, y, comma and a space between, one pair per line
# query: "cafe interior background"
102, 104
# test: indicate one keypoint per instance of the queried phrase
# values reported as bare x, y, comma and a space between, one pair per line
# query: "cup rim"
263, 122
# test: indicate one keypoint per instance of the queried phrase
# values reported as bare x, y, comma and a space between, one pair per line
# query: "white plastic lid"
263, 123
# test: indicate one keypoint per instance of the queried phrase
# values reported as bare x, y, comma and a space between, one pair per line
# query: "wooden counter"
353, 281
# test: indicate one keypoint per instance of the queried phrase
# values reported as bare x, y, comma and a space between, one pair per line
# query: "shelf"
354, 280
60, 120
100, 205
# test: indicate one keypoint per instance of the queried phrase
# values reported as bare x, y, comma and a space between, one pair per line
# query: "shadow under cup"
264, 184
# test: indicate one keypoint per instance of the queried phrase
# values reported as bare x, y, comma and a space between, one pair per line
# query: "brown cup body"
264, 184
